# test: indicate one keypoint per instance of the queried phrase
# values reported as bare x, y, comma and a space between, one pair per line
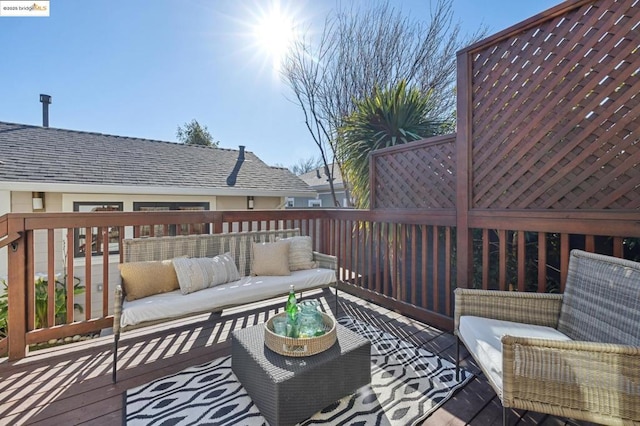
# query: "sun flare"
274, 33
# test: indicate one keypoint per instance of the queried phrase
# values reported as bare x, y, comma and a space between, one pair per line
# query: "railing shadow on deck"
77, 377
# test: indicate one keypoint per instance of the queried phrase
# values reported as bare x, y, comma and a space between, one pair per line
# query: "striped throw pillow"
196, 274
224, 269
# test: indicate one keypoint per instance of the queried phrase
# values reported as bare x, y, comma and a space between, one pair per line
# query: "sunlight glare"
274, 33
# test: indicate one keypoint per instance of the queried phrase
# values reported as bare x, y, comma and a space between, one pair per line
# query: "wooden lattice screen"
418, 175
553, 120
548, 140
555, 113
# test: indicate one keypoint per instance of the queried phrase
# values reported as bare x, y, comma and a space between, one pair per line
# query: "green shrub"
42, 303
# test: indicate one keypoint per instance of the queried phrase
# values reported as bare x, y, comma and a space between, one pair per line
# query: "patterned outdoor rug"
407, 385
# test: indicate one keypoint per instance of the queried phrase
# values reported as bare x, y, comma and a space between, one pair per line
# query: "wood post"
17, 280
463, 173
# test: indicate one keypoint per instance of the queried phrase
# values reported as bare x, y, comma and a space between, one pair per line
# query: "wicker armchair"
574, 355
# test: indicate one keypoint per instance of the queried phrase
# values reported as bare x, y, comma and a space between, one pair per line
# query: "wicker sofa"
171, 305
574, 355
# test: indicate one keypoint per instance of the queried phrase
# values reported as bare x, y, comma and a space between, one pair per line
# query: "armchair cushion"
581, 372
482, 337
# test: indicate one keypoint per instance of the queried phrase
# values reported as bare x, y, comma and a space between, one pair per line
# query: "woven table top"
281, 367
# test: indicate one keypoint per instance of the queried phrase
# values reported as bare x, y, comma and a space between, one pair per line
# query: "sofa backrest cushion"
207, 245
198, 273
270, 258
601, 301
300, 253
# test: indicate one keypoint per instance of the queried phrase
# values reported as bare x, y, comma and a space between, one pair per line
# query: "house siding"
5, 207
240, 203
21, 202
325, 198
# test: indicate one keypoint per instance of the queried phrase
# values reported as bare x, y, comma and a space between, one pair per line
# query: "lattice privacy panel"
422, 176
556, 113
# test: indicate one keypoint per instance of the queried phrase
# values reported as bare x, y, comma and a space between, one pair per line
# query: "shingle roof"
317, 178
38, 154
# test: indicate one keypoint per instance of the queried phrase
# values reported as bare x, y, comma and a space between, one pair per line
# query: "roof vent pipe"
46, 100
241, 153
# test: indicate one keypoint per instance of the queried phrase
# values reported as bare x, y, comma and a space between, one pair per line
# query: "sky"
141, 68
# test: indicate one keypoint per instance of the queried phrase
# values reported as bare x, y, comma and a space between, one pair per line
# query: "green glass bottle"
292, 303
291, 308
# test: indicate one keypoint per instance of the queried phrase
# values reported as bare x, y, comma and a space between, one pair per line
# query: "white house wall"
21, 202
97, 287
5, 207
240, 203
5, 202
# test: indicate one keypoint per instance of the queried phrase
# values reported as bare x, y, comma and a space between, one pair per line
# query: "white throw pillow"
300, 253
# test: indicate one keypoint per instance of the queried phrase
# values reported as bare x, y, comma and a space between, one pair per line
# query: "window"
290, 202
98, 243
171, 230
315, 203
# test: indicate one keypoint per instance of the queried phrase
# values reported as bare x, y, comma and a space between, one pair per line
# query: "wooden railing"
405, 261
43, 244
530, 250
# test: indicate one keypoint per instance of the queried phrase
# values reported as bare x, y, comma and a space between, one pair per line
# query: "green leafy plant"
387, 117
42, 302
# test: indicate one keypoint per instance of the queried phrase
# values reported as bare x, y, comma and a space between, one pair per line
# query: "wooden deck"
72, 384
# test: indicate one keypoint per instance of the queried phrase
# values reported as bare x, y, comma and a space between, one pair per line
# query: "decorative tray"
299, 347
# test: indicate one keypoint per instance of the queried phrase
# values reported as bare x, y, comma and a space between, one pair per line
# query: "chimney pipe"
241, 153
46, 100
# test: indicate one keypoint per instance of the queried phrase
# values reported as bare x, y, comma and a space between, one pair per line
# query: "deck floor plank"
72, 385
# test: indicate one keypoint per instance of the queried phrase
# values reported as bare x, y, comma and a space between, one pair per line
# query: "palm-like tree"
386, 118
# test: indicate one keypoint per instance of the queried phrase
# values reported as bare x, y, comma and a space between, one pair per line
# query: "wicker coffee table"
288, 390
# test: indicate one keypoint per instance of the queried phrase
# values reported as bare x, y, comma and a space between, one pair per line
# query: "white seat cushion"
481, 336
245, 290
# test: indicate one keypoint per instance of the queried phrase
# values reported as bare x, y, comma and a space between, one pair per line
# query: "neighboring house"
44, 169
317, 179
65, 167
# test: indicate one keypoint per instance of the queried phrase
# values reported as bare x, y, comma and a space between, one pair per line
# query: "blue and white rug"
407, 385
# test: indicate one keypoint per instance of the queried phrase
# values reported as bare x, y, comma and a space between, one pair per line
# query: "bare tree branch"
374, 45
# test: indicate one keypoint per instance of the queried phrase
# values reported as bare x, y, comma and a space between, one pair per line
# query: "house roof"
317, 178
44, 158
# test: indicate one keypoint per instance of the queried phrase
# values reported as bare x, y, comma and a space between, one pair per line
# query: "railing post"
464, 159
17, 280
217, 223
324, 235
